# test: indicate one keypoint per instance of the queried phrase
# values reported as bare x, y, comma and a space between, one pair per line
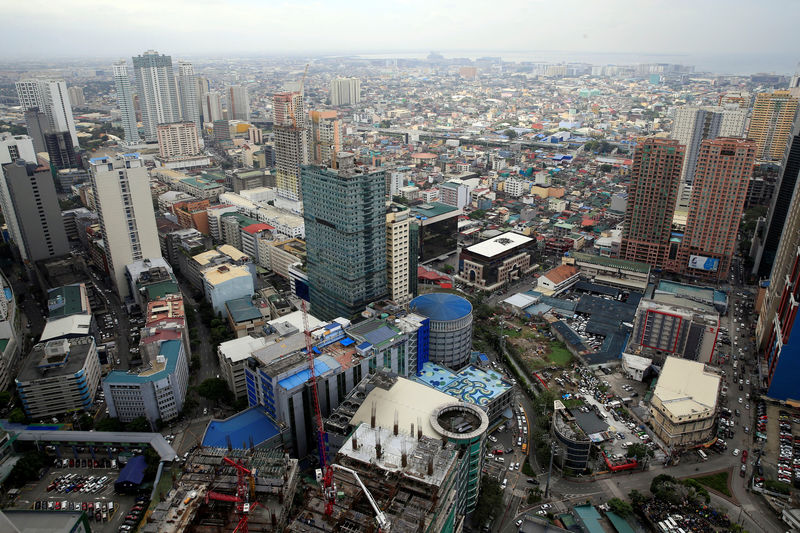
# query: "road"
209, 365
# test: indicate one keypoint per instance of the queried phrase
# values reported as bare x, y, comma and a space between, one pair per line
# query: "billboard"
701, 262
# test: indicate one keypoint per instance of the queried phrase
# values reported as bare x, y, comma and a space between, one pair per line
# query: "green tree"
139, 425
109, 424
152, 459
510, 134
605, 167
477, 214
621, 507
5, 397
448, 269
489, 500
26, 469
636, 497
216, 390
639, 451
17, 416
84, 422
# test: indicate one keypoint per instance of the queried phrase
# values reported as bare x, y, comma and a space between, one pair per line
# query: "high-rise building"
345, 91
13, 147
51, 98
326, 137
125, 101
724, 168
771, 123
187, 89
238, 103
123, 201
345, 223
178, 139
37, 124
30, 205
693, 125
212, 107
157, 91
60, 150
291, 143
652, 194
768, 238
739, 98
77, 97
397, 252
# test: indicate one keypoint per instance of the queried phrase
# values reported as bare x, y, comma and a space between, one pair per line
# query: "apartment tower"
345, 91
238, 103
187, 90
157, 91
291, 143
771, 123
122, 81
51, 97
326, 137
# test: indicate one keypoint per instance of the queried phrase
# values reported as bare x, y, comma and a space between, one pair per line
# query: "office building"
238, 103
771, 123
211, 105
30, 207
122, 197
51, 98
346, 246
494, 262
724, 168
397, 252
122, 82
684, 404
326, 137
693, 124
13, 147
37, 124
157, 91
450, 327
345, 91
652, 196
77, 97
227, 282
454, 194
156, 392
178, 140
291, 143
58, 377
436, 228
767, 238
10, 344
61, 150
187, 91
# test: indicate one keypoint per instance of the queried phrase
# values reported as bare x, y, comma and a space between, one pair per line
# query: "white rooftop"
68, 325
239, 349
499, 244
686, 388
295, 319
520, 300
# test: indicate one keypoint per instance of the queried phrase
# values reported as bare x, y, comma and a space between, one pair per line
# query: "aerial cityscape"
451, 273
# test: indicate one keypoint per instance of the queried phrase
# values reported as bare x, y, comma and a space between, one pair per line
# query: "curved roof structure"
441, 306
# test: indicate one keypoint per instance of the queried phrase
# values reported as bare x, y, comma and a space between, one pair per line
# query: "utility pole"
549, 471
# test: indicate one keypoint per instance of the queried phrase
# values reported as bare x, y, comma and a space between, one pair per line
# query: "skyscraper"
37, 124
398, 252
238, 103
212, 107
345, 91
157, 91
122, 197
724, 167
77, 97
768, 238
178, 139
187, 89
60, 150
345, 223
51, 97
125, 101
771, 123
652, 193
30, 205
694, 124
326, 137
291, 143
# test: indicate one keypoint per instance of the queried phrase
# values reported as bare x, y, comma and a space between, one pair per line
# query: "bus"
703, 455
524, 447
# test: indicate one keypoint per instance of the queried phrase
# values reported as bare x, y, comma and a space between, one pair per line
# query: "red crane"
322, 437
243, 507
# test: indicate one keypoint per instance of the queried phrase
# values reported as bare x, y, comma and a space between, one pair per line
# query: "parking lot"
84, 489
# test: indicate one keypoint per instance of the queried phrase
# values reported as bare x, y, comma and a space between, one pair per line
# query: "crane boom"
383, 523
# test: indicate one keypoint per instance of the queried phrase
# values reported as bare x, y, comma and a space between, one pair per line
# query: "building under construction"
205, 500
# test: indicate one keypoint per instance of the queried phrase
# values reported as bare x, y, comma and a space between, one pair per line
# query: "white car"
735, 452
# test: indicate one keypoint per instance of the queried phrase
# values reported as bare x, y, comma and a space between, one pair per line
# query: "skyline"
710, 37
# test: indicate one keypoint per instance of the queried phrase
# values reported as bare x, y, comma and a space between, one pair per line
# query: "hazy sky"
122, 28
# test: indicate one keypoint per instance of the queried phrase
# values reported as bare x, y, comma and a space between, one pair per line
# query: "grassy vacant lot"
559, 354
717, 482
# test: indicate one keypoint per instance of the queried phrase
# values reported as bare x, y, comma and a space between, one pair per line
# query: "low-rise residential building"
227, 282
557, 280
244, 317
58, 377
156, 392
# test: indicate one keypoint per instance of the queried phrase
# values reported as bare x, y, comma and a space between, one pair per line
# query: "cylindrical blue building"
450, 327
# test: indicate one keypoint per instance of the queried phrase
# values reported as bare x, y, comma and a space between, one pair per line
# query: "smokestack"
419, 428
378, 448
403, 455
372, 416
396, 423
355, 442
412, 430
430, 466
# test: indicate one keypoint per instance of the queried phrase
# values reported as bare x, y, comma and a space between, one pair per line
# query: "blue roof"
379, 335
133, 472
470, 384
169, 349
347, 341
242, 309
364, 346
441, 306
241, 427
303, 375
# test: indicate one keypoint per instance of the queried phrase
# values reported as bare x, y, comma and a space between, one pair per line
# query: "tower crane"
245, 479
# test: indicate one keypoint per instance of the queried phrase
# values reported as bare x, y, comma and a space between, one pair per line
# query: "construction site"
223, 490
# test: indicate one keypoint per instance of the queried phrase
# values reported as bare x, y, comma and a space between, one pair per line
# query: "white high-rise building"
125, 101
397, 253
51, 97
345, 91
13, 147
693, 124
187, 89
212, 106
122, 197
77, 97
292, 143
238, 103
158, 94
